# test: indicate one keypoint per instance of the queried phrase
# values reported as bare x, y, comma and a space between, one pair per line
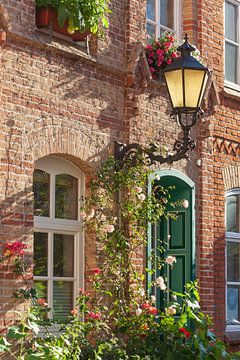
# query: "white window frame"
230, 237
227, 83
176, 19
51, 225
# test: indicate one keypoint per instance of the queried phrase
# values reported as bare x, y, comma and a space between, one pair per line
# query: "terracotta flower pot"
47, 18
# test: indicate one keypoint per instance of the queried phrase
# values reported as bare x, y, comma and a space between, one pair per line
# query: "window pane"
41, 189
233, 305
166, 13
62, 300
42, 289
231, 63
233, 261
66, 195
151, 13
40, 254
63, 260
232, 214
230, 21
151, 30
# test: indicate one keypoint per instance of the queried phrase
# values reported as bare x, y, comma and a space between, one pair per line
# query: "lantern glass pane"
204, 87
174, 83
193, 84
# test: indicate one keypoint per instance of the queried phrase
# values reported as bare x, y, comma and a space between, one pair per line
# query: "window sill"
231, 90
232, 336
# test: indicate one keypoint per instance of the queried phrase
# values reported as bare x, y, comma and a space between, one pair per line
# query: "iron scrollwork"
152, 153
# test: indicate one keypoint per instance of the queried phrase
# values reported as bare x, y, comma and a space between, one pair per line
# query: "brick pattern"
57, 99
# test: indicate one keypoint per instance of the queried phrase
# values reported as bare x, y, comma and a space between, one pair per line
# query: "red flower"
174, 54
145, 306
94, 316
42, 302
149, 47
15, 248
170, 38
169, 61
152, 70
152, 310
96, 271
184, 331
151, 54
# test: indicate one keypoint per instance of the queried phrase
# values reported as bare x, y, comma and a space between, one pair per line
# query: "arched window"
58, 242
233, 259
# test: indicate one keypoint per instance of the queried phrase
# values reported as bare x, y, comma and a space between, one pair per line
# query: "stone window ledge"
231, 93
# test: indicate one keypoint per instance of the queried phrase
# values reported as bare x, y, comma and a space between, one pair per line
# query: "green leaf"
15, 333
35, 356
62, 16
4, 344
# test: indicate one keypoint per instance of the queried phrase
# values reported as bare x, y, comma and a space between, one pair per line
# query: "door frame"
177, 174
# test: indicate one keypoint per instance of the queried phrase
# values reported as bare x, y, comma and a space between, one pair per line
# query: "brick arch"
69, 140
231, 177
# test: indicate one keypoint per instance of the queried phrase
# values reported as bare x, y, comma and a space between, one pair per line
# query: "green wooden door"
177, 235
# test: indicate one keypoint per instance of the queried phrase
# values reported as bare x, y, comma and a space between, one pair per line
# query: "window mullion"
52, 195
50, 270
238, 40
157, 9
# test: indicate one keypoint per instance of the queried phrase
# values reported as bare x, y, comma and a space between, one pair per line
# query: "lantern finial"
185, 49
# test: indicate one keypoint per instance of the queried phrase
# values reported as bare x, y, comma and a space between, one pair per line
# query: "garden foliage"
118, 318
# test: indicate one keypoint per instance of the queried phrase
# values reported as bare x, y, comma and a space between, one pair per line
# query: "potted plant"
73, 18
161, 52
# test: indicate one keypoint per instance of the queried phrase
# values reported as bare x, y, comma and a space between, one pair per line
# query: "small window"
163, 15
232, 42
233, 260
58, 249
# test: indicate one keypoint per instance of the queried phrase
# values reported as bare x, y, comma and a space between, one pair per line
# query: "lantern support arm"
152, 153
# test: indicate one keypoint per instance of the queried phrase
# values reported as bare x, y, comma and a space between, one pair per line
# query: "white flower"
157, 177
142, 197
142, 292
162, 286
110, 228
169, 237
174, 297
138, 311
153, 298
138, 189
185, 204
170, 260
171, 310
160, 283
103, 217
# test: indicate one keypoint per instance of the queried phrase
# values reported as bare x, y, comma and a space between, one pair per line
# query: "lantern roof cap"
186, 60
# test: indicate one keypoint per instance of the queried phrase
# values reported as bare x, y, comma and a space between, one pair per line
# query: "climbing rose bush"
121, 317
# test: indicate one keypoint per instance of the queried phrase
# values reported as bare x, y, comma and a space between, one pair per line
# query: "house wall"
57, 99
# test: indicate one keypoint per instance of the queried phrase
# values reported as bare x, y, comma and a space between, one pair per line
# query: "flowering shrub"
161, 52
119, 319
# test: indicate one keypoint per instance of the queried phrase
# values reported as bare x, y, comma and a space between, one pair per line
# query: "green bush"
119, 319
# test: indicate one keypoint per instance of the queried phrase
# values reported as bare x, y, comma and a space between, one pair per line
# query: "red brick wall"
57, 99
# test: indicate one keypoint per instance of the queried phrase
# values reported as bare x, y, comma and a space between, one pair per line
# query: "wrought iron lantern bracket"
152, 153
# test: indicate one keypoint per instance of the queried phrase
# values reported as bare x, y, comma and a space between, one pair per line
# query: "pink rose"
170, 260
169, 61
138, 189
74, 312
110, 228
152, 70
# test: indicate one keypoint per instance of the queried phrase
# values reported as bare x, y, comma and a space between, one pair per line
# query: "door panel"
175, 232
